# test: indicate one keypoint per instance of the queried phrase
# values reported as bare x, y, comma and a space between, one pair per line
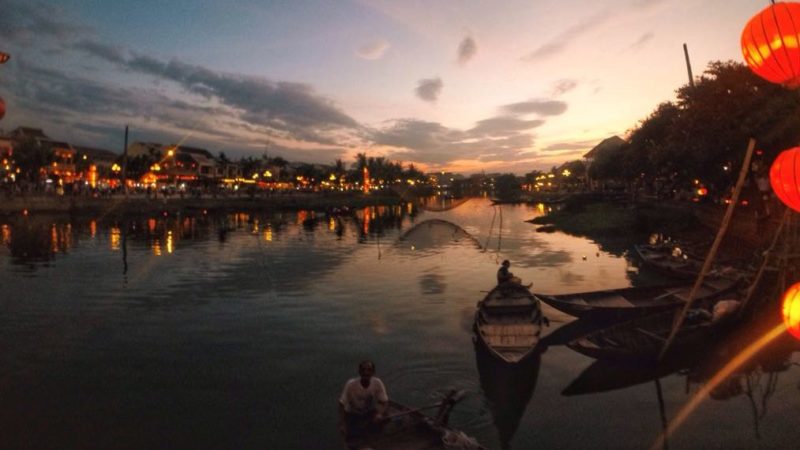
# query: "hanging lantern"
791, 310
770, 44
4, 57
2, 108
784, 176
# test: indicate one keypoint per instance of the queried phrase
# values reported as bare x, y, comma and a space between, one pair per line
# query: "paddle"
446, 404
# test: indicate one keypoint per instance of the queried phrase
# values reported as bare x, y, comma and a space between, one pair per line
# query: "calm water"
238, 331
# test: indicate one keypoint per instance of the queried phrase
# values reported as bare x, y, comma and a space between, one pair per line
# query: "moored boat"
636, 301
509, 321
643, 338
664, 261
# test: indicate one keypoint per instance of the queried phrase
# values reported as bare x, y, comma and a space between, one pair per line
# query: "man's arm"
342, 420
382, 402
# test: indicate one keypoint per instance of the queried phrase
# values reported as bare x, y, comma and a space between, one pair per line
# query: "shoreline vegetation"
688, 222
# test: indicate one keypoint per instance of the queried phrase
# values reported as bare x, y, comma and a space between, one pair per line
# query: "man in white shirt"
363, 402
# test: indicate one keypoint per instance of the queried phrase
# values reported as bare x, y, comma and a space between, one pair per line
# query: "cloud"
373, 50
466, 50
563, 39
429, 89
309, 155
541, 107
503, 126
432, 143
642, 41
561, 87
59, 98
573, 145
22, 21
101, 50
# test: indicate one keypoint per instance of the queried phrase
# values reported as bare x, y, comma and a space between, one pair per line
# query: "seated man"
505, 276
363, 402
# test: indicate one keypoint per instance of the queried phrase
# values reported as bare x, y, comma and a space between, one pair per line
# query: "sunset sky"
511, 85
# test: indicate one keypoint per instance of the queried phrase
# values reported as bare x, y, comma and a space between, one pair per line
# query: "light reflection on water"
239, 330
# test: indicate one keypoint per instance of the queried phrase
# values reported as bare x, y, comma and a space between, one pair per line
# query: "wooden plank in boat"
508, 301
508, 330
499, 342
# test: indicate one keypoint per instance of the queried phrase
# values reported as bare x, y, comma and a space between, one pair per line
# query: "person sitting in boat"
363, 402
505, 276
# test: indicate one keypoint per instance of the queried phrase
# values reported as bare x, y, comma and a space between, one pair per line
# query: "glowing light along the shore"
715, 381
791, 310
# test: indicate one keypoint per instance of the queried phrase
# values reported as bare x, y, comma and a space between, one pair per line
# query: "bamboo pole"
712, 253
688, 65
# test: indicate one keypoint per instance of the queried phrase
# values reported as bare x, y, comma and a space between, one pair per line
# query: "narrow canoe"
508, 322
643, 338
409, 429
636, 301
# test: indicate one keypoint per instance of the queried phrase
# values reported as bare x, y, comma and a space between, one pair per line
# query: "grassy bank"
607, 218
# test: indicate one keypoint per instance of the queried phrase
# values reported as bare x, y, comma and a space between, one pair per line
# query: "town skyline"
462, 89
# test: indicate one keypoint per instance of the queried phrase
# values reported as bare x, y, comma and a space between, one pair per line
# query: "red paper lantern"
784, 176
771, 44
4, 57
791, 310
2, 108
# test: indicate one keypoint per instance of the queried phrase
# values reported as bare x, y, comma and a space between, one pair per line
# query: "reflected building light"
366, 220
54, 239
156, 247
5, 232
268, 233
93, 228
332, 224
66, 237
540, 208
169, 242
115, 238
256, 226
409, 207
301, 217
151, 225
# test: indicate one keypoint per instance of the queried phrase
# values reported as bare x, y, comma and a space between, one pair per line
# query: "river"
238, 331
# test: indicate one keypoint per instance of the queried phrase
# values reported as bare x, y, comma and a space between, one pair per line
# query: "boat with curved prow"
407, 428
509, 321
636, 301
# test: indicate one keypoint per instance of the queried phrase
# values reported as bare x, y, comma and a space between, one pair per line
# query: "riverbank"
139, 204
688, 222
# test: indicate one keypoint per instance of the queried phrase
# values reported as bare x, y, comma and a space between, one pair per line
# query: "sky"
464, 86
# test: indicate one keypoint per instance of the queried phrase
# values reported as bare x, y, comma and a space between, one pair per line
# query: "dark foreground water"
238, 331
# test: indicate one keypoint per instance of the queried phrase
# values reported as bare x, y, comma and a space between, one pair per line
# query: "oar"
412, 411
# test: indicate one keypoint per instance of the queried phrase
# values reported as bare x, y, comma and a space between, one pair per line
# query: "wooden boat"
635, 301
643, 338
407, 428
509, 321
658, 258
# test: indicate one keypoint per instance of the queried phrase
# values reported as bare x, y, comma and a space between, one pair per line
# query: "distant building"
608, 144
443, 180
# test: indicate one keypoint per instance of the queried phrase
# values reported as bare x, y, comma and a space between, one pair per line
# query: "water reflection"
36, 239
756, 380
433, 234
508, 389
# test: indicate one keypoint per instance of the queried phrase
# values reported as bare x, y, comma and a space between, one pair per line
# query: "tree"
30, 158
507, 187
